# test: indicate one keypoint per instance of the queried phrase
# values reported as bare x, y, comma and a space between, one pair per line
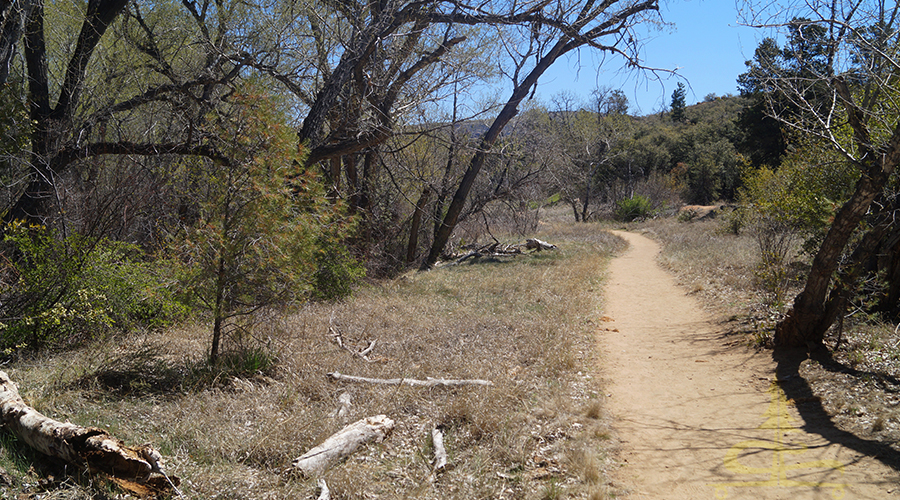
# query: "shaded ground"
699, 418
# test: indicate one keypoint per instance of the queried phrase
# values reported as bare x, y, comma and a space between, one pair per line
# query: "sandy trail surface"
699, 417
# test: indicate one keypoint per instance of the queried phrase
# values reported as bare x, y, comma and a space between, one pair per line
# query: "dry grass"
525, 323
717, 266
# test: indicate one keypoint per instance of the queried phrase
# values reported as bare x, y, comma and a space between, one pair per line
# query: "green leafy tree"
849, 103
794, 202
678, 103
258, 240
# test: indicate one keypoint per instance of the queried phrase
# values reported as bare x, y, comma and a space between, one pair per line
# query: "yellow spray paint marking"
779, 420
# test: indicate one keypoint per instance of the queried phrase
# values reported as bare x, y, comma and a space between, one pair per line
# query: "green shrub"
336, 272
634, 208
789, 210
733, 221
61, 290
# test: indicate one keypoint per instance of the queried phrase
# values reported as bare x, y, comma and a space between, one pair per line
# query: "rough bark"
343, 444
80, 446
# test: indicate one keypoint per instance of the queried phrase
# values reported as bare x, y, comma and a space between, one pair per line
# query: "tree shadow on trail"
816, 419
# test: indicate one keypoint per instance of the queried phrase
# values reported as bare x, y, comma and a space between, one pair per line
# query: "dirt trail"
698, 419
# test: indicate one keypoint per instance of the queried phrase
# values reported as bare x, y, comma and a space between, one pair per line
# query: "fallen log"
473, 253
428, 382
538, 245
343, 444
440, 453
80, 446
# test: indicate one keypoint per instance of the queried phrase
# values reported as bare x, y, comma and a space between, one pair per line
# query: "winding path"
697, 418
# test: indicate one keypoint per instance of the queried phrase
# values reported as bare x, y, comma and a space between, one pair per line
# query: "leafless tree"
533, 40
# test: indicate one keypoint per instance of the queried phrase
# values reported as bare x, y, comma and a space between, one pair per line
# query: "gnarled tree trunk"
808, 320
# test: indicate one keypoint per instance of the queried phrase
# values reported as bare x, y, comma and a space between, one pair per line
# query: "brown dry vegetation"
526, 323
856, 391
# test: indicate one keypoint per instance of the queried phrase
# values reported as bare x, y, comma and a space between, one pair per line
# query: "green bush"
336, 272
634, 208
56, 291
789, 210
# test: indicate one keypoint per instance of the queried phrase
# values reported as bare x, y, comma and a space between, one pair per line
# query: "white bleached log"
343, 444
428, 382
324, 492
72, 443
440, 453
538, 245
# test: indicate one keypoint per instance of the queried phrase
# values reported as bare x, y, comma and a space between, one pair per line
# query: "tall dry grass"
526, 323
718, 266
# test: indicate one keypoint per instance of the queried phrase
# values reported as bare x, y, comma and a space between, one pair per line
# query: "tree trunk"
442, 235
416, 224
574, 204
807, 322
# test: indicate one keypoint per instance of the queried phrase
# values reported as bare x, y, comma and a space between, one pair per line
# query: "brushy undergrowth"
526, 323
56, 292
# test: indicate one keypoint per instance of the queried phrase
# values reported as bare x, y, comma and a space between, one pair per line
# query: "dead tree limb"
538, 245
324, 492
344, 410
363, 354
343, 444
440, 453
428, 382
83, 447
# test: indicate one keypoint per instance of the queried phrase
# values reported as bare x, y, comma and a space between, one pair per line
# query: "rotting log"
538, 245
80, 446
428, 382
343, 444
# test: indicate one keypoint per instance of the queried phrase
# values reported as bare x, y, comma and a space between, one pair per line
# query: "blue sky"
706, 44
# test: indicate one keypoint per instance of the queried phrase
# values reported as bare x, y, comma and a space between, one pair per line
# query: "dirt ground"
699, 415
